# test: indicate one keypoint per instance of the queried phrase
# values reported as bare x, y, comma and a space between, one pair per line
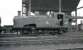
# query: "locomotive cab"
60, 17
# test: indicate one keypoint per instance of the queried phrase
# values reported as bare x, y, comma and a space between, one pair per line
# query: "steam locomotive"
42, 24
56, 22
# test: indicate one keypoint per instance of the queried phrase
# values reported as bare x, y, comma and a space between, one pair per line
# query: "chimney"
19, 13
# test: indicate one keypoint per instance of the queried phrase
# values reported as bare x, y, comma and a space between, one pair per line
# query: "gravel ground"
45, 47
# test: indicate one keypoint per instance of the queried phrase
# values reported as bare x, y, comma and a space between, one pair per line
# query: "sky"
9, 8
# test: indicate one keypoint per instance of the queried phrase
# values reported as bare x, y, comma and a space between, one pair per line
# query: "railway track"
66, 38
